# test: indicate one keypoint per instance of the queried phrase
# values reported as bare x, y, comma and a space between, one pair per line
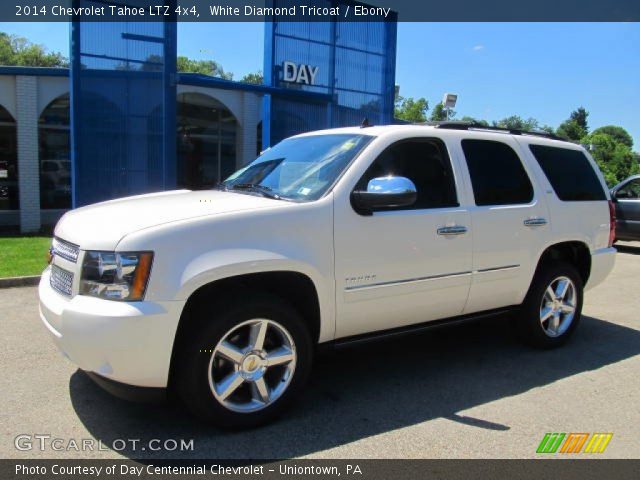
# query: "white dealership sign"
294, 73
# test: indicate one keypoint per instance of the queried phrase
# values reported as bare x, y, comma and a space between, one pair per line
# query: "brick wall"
28, 164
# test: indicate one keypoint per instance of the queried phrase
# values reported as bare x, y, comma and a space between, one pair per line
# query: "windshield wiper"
256, 187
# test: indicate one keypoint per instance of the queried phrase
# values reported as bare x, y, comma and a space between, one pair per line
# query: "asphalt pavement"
470, 391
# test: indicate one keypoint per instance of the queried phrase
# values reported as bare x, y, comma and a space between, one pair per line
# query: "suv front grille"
61, 280
66, 250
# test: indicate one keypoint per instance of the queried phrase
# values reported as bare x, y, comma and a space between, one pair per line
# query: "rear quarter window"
570, 173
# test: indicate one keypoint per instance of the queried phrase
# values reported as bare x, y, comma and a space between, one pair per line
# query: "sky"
539, 70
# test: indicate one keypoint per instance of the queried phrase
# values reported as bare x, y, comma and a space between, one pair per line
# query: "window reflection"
55, 155
8, 162
206, 141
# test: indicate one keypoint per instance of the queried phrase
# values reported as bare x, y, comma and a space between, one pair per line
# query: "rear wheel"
552, 309
244, 363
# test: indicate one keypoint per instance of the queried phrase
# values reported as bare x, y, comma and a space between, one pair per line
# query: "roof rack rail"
453, 125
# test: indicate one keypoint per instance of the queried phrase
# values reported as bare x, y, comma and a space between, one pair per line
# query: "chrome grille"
61, 280
66, 250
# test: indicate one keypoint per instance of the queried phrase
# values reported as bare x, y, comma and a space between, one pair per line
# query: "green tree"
411, 110
256, 78
576, 126
615, 159
571, 130
204, 67
16, 50
580, 117
439, 113
515, 122
619, 133
466, 118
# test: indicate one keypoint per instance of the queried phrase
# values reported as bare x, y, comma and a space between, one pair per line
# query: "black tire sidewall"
529, 327
209, 326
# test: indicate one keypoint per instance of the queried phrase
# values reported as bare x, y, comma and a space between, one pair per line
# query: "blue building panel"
123, 92
353, 63
123, 107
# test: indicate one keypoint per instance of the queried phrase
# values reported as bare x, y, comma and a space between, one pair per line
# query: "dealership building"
121, 121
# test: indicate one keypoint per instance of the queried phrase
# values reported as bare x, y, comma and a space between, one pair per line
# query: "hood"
102, 225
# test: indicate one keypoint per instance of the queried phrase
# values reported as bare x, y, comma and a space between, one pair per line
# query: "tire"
260, 391
559, 322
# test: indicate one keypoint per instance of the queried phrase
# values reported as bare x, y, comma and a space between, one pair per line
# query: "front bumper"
602, 261
132, 393
127, 342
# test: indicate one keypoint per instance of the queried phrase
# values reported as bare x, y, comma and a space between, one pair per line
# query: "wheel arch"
296, 287
575, 252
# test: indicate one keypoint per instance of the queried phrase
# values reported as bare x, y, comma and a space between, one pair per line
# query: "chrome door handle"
535, 222
453, 230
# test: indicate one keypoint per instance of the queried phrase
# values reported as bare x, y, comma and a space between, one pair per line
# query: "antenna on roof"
365, 123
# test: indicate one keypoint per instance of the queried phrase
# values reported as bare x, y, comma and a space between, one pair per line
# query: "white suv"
328, 237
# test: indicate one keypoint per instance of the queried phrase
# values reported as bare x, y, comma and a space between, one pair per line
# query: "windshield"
300, 169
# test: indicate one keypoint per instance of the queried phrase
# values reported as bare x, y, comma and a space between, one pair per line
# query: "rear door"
509, 221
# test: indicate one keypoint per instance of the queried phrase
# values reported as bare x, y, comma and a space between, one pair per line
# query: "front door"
407, 265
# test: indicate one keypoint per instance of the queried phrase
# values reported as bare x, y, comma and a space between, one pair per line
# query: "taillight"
612, 223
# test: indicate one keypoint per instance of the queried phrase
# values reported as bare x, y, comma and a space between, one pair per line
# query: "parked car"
329, 237
626, 197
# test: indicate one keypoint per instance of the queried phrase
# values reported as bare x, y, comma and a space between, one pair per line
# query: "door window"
8, 162
630, 191
423, 161
497, 174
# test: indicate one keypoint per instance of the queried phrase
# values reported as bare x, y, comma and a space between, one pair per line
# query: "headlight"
116, 276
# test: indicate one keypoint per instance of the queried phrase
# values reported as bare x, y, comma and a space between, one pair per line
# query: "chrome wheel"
558, 306
252, 365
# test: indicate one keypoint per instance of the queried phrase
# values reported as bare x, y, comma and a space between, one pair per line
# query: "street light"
449, 101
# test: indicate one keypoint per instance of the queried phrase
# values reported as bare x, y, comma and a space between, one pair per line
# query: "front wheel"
553, 306
244, 363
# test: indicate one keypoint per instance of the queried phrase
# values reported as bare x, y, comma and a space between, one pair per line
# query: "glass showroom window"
8, 162
206, 141
55, 155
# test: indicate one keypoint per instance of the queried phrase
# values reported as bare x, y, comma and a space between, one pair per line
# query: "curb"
19, 281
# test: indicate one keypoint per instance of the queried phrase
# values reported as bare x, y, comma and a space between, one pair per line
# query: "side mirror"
384, 192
